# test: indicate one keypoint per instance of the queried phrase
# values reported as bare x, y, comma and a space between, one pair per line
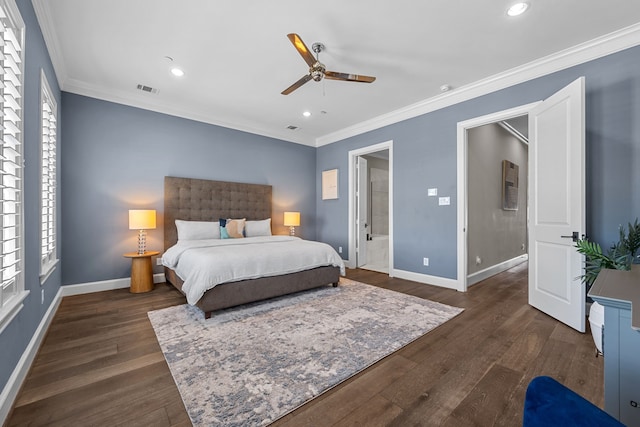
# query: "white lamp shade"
142, 219
291, 219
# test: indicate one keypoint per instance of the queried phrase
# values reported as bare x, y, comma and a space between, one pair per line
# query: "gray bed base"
204, 200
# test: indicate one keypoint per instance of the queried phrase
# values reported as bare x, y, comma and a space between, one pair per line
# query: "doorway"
371, 208
556, 201
372, 245
497, 179
464, 257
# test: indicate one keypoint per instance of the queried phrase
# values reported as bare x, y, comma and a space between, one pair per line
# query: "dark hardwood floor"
100, 364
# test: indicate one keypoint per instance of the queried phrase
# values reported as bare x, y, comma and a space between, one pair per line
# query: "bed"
189, 199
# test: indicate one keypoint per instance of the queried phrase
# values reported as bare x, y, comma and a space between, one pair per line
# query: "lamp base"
142, 242
292, 231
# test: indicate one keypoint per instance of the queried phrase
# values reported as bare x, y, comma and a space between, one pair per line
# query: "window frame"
49, 260
11, 305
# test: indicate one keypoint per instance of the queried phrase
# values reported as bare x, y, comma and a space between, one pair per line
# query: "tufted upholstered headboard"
204, 200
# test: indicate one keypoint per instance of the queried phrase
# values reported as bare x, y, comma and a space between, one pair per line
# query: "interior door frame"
362, 199
462, 197
353, 155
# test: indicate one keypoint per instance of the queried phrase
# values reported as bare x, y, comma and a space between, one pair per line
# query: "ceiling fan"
317, 70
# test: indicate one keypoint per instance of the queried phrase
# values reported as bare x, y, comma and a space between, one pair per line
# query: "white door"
557, 205
361, 214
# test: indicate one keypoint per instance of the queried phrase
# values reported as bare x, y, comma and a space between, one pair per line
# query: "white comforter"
203, 264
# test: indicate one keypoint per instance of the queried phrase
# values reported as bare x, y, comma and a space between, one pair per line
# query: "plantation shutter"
11, 168
48, 184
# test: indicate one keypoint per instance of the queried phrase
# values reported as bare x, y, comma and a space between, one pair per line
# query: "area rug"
251, 365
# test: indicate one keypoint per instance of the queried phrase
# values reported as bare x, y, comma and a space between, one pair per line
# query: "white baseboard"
11, 389
417, 277
479, 276
425, 278
105, 285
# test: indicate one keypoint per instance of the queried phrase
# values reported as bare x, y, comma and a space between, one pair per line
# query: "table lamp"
292, 220
142, 220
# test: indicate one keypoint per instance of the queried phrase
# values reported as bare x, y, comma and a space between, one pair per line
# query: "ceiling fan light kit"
317, 70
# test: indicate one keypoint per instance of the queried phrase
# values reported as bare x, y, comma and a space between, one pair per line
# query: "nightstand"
141, 271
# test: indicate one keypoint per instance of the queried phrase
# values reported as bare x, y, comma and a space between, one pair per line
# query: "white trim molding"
105, 285
579, 54
495, 269
353, 154
42, 10
9, 311
426, 279
19, 374
461, 178
14, 384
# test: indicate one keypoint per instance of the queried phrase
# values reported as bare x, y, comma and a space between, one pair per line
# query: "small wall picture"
509, 186
330, 184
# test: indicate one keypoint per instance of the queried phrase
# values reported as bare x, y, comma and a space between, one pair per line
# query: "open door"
557, 205
362, 211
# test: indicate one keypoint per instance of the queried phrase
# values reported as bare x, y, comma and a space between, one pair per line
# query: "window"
11, 163
48, 238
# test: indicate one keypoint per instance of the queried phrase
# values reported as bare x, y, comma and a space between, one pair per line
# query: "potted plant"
620, 256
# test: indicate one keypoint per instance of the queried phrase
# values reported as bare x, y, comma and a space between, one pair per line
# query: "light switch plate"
432, 192
443, 201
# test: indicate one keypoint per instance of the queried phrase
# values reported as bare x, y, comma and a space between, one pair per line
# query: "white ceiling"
237, 58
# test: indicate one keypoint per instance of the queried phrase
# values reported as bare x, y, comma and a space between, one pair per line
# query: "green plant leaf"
617, 258
632, 238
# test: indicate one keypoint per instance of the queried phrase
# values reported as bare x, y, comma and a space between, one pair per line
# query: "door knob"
574, 236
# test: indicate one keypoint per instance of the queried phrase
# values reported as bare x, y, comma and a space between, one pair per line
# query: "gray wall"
424, 152
116, 158
15, 338
494, 234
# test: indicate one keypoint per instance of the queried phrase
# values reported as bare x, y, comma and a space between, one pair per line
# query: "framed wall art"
330, 184
509, 186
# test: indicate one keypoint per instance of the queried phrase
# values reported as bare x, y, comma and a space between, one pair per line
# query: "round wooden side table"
141, 271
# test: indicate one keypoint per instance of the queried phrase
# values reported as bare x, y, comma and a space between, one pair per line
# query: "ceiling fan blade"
302, 49
348, 77
297, 84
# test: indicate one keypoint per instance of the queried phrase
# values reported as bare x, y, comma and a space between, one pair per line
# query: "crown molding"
41, 7
593, 49
125, 97
579, 54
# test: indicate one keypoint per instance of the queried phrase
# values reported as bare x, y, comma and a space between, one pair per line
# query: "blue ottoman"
549, 403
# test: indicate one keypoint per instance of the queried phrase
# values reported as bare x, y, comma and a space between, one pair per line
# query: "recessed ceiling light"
177, 72
307, 114
518, 8
445, 88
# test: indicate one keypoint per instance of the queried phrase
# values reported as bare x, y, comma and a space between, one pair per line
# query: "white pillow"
257, 228
197, 230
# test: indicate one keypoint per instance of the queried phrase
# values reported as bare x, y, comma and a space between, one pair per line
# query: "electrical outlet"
42, 297
339, 249
425, 261
158, 261
444, 201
